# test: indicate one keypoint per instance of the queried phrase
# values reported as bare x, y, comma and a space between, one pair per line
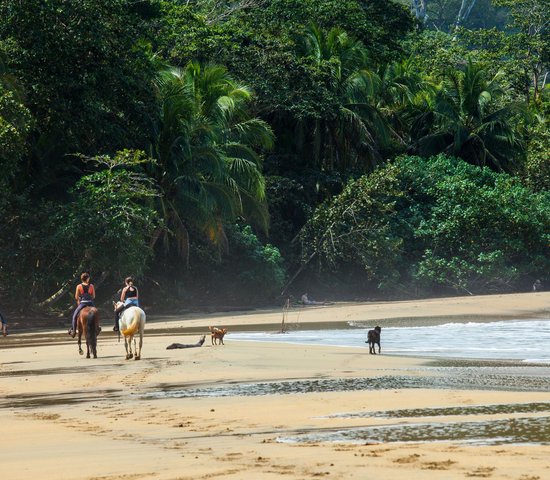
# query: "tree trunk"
102, 278
466, 7
419, 9
315, 251
63, 290
67, 286
298, 272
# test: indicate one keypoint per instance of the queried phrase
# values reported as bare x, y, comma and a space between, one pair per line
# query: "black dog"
373, 338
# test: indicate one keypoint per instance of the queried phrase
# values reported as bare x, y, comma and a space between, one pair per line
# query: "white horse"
131, 323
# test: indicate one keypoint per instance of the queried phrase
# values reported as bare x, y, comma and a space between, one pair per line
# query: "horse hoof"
137, 357
81, 352
129, 356
88, 356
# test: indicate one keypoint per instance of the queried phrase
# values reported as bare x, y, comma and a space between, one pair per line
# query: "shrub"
434, 223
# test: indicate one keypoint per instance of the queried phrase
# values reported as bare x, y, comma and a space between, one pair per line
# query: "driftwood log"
186, 345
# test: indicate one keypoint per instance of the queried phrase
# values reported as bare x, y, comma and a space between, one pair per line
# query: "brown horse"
88, 323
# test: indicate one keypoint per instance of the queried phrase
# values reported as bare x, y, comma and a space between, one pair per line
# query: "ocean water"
524, 340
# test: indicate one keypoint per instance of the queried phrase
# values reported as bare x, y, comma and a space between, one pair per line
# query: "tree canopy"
251, 147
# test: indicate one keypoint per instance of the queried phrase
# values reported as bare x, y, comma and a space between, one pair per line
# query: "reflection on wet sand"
490, 432
539, 407
505, 379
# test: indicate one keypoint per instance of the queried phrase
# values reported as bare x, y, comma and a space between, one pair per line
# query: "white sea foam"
525, 340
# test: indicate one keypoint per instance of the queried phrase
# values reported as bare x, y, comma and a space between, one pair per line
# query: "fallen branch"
63, 290
185, 345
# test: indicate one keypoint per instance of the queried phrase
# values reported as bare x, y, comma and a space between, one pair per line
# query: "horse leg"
97, 329
136, 356
128, 345
93, 350
83, 331
138, 352
378, 347
80, 351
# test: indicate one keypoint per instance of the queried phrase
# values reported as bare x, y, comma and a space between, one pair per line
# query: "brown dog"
217, 334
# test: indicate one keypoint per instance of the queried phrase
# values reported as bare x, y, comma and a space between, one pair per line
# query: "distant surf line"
524, 340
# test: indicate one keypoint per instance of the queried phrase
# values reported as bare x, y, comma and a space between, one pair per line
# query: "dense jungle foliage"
238, 152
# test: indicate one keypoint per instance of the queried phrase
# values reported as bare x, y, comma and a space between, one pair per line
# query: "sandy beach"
250, 410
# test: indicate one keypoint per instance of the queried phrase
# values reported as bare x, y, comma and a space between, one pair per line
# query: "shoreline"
483, 307
97, 412
477, 306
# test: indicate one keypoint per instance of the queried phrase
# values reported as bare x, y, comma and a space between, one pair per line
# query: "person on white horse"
129, 297
130, 319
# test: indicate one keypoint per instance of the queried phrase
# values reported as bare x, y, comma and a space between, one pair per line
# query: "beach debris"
186, 345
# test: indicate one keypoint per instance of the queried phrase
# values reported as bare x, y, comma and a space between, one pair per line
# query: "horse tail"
91, 334
134, 326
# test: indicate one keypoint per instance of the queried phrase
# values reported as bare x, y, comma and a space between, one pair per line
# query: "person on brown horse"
4, 325
84, 296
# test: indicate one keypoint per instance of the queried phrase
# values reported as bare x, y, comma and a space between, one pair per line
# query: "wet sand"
289, 411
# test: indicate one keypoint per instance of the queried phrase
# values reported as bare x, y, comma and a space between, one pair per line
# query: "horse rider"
129, 297
84, 296
4, 323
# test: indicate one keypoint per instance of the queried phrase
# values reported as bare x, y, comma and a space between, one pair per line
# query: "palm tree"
207, 146
403, 95
466, 121
348, 139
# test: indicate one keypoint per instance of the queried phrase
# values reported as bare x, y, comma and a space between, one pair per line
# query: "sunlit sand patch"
128, 476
